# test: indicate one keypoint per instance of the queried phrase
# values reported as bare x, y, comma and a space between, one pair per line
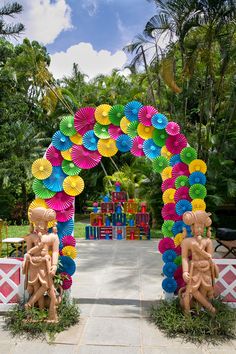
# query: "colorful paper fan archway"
95, 133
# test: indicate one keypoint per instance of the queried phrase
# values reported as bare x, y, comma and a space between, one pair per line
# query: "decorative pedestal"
119, 219
142, 219
132, 233
226, 283
105, 233
130, 207
119, 196
107, 208
92, 232
97, 219
119, 232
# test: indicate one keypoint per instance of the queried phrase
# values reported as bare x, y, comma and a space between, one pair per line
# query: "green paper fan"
181, 181
41, 191
70, 168
116, 113
159, 136
188, 154
160, 163
178, 260
167, 228
101, 131
197, 191
132, 129
67, 126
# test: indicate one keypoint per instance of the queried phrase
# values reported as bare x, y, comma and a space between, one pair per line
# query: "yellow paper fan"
73, 185
145, 132
101, 114
166, 153
168, 196
77, 139
107, 147
166, 173
197, 166
69, 251
124, 123
66, 154
38, 202
198, 204
178, 239
41, 168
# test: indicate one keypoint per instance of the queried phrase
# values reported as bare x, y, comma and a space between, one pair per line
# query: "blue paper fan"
197, 178
182, 206
55, 181
65, 228
178, 227
159, 121
61, 142
169, 285
169, 268
175, 159
169, 256
124, 143
90, 140
150, 149
131, 110
66, 265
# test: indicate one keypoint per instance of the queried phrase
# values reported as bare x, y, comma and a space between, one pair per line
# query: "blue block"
119, 219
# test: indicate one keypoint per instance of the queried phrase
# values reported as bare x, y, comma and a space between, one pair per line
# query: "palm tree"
10, 10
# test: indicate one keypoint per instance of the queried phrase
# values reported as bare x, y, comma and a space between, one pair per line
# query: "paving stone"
171, 350
72, 335
89, 349
35, 347
117, 308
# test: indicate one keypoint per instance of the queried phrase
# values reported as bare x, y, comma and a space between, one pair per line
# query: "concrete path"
115, 284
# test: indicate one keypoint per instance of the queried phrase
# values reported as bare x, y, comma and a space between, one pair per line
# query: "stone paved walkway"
115, 284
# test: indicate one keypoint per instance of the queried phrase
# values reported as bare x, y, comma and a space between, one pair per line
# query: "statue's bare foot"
27, 306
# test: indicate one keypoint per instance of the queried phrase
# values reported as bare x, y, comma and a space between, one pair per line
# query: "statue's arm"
185, 261
55, 251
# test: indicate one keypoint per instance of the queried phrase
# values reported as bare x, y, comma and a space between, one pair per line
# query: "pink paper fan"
67, 281
137, 147
178, 273
84, 120
182, 193
60, 201
145, 115
172, 128
180, 169
65, 215
180, 283
168, 212
84, 158
54, 156
114, 131
178, 250
68, 240
167, 184
176, 143
165, 244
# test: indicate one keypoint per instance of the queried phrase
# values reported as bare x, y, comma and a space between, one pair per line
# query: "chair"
226, 238
16, 243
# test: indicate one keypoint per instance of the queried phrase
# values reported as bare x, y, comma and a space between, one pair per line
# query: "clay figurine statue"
39, 266
200, 272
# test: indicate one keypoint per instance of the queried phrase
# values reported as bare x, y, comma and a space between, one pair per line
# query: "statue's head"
40, 217
198, 221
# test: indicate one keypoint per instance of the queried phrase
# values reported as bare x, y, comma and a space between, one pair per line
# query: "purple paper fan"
60, 201
180, 169
176, 143
114, 131
137, 147
145, 115
172, 128
182, 193
54, 156
84, 120
167, 184
84, 158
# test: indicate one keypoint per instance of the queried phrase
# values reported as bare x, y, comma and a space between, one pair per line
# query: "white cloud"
45, 20
90, 62
91, 6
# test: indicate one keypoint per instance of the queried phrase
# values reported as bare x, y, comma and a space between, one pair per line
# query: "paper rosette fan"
167, 228
169, 196
150, 149
172, 128
145, 115
169, 269
175, 159
107, 147
182, 206
65, 228
124, 124
41, 191
166, 173
41, 169
178, 227
160, 163
114, 131
66, 280
66, 154
70, 168
60, 201
68, 240
55, 181
159, 137
69, 251
169, 285
169, 256
198, 204
73, 185
197, 177
77, 139
178, 260
67, 126
165, 244
137, 147
61, 141
182, 193
197, 166
38, 202
66, 265
54, 156
84, 158
178, 239
180, 169
168, 183
181, 181
65, 214
165, 152
188, 154
101, 114
131, 110
168, 212
84, 119
145, 132
116, 113
132, 129
101, 131
124, 143
90, 140
197, 191
176, 143
159, 121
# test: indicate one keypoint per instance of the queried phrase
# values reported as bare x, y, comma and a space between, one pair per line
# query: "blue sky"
89, 32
